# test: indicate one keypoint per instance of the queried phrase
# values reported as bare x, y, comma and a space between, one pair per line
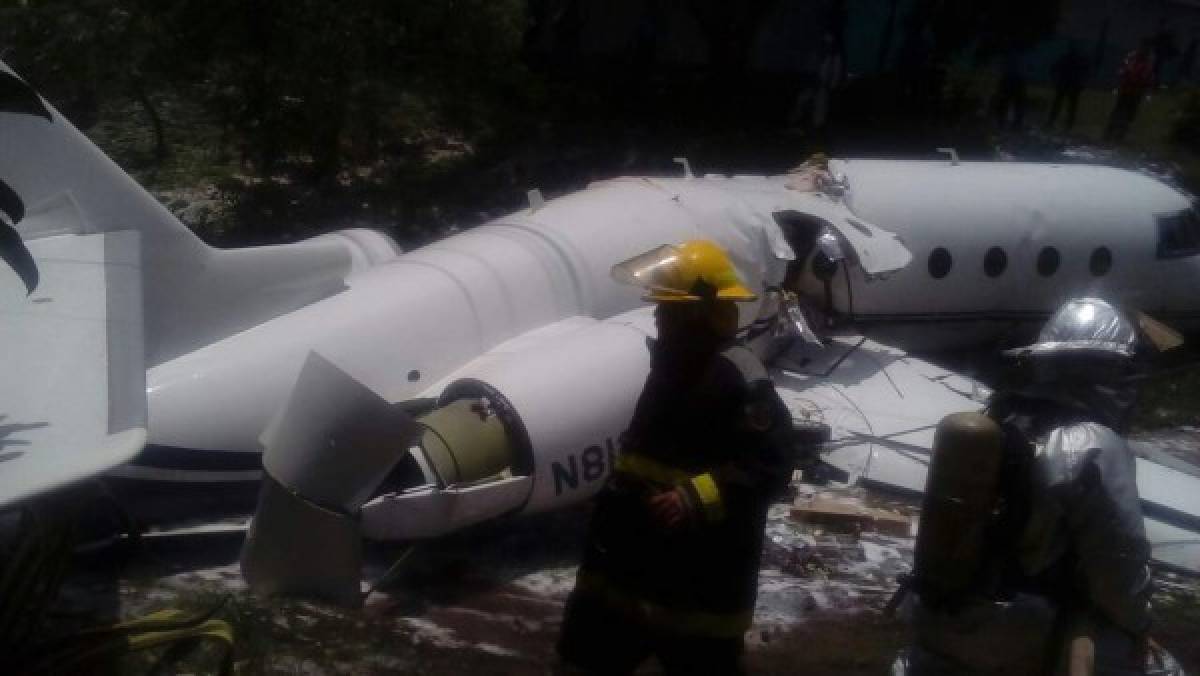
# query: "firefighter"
670, 565
1031, 556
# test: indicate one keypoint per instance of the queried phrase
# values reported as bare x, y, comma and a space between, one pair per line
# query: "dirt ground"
489, 601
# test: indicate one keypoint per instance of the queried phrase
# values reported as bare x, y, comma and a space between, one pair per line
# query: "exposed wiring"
391, 572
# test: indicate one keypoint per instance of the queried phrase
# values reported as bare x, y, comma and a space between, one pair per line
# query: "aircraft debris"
850, 515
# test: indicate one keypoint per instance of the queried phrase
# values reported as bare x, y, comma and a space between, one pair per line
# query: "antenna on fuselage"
536, 201
687, 167
952, 153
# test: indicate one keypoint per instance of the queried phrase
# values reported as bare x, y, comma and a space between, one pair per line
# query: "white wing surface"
882, 407
72, 371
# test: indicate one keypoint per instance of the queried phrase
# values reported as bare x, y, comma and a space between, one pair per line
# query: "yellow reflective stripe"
685, 622
644, 468
710, 496
167, 619
164, 627
217, 630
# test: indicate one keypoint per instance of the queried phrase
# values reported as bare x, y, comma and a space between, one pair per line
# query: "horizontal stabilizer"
73, 393
194, 294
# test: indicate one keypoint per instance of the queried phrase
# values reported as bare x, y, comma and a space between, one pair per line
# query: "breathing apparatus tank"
961, 497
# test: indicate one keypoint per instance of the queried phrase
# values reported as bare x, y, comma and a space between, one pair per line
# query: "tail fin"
194, 294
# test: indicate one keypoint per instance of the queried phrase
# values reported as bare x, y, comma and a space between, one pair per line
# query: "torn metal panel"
879, 251
335, 440
806, 359
429, 511
879, 404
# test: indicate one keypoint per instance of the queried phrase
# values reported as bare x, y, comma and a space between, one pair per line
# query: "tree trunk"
885, 42
160, 138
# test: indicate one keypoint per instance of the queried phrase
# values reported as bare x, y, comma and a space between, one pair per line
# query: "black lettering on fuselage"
10, 204
12, 247
596, 462
593, 463
561, 475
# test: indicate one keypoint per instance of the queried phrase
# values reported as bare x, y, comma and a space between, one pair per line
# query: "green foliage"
989, 27
295, 77
1185, 129
304, 113
302, 79
1168, 401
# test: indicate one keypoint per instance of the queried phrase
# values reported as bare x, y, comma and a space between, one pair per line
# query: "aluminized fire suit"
1067, 552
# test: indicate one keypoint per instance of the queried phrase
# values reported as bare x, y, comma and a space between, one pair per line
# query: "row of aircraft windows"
995, 262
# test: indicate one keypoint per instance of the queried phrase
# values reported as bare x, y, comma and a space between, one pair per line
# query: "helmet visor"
670, 273
657, 271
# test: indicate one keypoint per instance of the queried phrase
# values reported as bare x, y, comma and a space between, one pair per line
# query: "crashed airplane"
501, 364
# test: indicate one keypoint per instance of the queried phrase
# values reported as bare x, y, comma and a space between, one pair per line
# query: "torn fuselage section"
324, 455
337, 444
835, 255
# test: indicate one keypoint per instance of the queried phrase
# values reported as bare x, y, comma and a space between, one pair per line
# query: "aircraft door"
814, 274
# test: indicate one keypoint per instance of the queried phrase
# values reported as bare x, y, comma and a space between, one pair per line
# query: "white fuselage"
523, 309
512, 292
404, 326
1000, 227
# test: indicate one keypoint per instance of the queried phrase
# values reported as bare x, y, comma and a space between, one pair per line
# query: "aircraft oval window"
1101, 261
1047, 261
940, 263
995, 261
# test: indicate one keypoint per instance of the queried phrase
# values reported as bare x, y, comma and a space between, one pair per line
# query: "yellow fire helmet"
694, 270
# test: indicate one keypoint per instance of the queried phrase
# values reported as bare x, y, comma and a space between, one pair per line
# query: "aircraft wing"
882, 407
72, 372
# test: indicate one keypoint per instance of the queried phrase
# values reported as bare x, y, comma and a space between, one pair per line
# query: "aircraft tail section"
59, 183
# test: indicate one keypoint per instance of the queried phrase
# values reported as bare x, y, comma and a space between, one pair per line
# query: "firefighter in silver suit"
1032, 555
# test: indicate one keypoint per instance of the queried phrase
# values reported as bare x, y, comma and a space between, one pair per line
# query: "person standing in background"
1133, 82
1069, 73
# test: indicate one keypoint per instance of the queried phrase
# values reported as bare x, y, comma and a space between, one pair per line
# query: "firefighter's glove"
671, 508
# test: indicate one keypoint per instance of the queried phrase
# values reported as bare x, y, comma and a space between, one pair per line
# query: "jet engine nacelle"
523, 429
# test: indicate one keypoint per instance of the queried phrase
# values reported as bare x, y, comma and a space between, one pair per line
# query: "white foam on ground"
227, 577
551, 582
834, 572
295, 665
427, 631
516, 621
